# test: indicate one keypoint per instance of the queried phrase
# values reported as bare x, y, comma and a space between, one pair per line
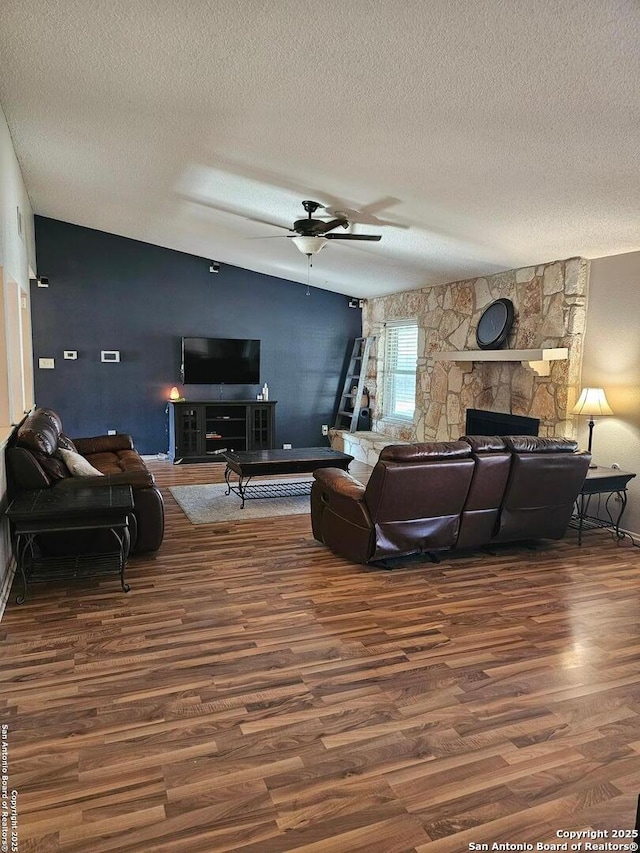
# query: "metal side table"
605, 510
63, 514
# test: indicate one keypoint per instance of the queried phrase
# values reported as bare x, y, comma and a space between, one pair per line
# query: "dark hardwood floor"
254, 692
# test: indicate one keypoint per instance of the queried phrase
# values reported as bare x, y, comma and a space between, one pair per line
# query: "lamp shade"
592, 401
174, 394
310, 245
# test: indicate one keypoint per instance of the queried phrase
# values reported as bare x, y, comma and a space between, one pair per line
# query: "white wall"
17, 257
611, 360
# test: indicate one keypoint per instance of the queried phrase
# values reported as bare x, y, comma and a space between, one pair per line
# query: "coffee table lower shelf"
257, 491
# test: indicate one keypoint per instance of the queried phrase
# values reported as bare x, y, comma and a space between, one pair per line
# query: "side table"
68, 511
602, 481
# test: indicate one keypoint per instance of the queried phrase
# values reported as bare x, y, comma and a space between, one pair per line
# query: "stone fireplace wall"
550, 303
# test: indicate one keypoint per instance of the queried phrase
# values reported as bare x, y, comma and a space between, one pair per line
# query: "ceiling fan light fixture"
309, 245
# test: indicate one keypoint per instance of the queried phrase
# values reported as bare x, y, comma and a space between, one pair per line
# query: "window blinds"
401, 357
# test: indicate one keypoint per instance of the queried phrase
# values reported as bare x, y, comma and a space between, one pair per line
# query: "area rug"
208, 504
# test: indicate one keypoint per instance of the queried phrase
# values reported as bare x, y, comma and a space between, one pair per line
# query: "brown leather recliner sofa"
34, 462
427, 498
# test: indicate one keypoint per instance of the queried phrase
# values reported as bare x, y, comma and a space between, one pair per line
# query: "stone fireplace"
550, 303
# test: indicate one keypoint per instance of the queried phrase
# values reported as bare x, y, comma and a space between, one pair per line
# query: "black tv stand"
199, 430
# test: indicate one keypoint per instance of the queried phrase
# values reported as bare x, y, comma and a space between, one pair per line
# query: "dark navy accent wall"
111, 293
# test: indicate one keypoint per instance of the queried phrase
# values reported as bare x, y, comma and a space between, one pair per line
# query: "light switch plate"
46, 363
110, 355
71, 354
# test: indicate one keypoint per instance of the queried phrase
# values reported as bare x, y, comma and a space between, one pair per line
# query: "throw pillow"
78, 465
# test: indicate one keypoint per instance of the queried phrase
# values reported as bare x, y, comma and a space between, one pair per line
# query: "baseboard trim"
6, 585
635, 537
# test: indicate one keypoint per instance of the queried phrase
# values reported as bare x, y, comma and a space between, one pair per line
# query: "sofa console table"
610, 486
200, 430
61, 514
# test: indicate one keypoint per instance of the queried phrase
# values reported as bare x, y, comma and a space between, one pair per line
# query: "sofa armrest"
137, 479
25, 471
103, 444
343, 495
336, 481
82, 482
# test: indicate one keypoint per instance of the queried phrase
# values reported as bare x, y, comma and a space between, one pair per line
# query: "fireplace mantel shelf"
538, 360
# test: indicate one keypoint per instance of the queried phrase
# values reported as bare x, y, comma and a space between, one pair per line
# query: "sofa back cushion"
54, 417
479, 518
415, 496
544, 481
534, 444
38, 465
424, 452
39, 432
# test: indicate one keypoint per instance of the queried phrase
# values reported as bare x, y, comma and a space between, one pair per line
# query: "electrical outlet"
111, 432
286, 447
325, 429
46, 363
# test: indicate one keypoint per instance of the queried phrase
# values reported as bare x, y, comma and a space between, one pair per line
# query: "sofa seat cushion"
123, 466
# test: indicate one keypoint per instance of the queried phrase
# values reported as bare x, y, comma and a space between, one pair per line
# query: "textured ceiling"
474, 135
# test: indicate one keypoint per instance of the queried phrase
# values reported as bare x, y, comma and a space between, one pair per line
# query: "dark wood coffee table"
263, 463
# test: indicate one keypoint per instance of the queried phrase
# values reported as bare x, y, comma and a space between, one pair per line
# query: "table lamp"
175, 396
592, 401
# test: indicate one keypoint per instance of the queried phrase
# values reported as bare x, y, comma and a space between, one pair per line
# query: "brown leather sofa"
412, 502
34, 462
426, 498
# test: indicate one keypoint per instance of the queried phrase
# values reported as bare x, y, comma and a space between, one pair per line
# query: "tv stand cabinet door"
189, 431
260, 427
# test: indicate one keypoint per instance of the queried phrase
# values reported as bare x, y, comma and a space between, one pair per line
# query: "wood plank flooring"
254, 692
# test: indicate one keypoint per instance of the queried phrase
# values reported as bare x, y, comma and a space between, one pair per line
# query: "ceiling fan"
312, 234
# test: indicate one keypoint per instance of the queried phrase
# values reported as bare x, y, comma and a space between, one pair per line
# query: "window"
400, 360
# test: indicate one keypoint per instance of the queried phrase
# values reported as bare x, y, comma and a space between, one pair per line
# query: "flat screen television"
220, 361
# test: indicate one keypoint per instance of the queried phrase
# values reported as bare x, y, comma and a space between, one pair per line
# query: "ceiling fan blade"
204, 202
323, 227
373, 238
271, 236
